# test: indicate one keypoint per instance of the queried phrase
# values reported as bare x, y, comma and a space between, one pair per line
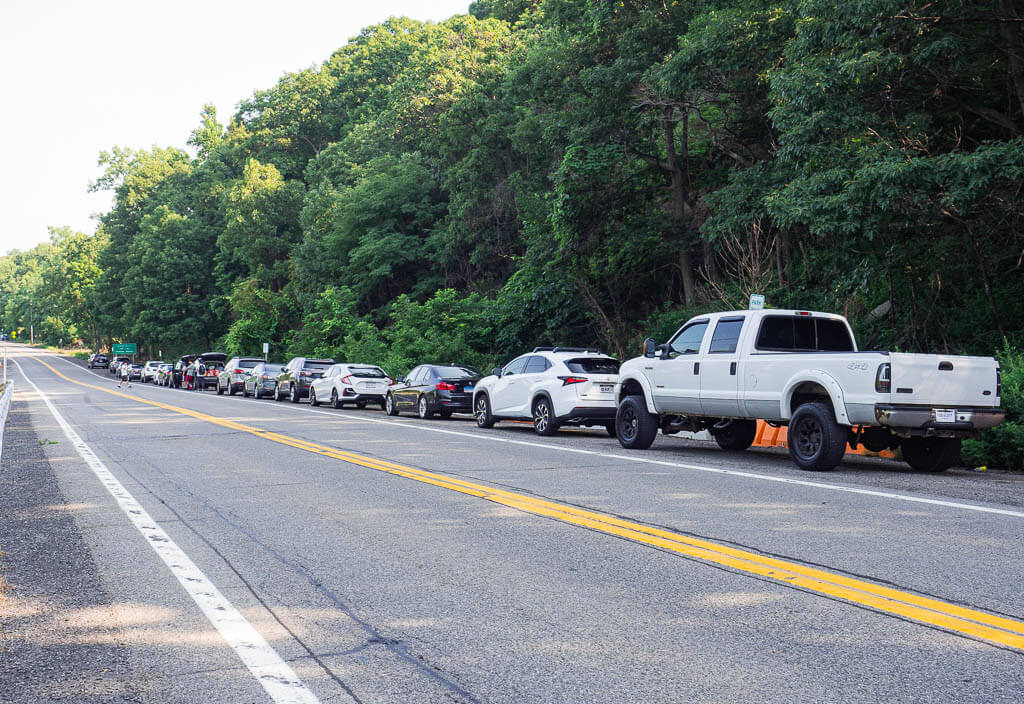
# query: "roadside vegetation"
572, 172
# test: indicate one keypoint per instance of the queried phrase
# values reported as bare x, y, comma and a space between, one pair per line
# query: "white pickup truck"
722, 371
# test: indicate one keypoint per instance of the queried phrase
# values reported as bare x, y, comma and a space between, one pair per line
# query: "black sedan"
434, 388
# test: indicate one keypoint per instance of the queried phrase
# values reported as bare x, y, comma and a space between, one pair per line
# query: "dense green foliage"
575, 171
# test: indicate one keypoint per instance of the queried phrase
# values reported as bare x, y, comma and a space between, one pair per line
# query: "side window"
833, 336
688, 341
536, 364
727, 335
516, 366
413, 376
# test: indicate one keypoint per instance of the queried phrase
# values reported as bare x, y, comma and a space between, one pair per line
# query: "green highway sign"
123, 348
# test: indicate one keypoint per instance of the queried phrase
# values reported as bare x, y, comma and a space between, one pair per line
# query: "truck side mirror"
496, 371
663, 351
649, 346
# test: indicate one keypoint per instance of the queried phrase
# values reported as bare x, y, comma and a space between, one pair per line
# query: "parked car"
235, 372
722, 371
210, 366
163, 374
149, 370
553, 386
116, 362
262, 380
357, 384
98, 360
297, 376
434, 388
132, 371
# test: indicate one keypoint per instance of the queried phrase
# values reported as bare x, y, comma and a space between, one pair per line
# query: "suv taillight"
345, 379
566, 380
883, 378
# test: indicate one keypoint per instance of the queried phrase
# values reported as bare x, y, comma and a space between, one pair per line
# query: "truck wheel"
634, 426
930, 454
816, 442
544, 418
736, 435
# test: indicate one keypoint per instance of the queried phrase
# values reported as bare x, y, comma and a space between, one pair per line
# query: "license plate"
370, 386
945, 415
467, 389
607, 388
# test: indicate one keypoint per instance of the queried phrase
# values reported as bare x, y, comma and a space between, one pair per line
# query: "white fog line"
663, 463
278, 678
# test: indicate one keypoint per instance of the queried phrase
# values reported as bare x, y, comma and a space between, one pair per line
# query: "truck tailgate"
937, 380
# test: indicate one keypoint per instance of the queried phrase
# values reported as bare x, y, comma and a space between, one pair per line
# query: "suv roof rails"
577, 349
544, 349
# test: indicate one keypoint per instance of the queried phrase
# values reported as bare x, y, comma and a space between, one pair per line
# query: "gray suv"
298, 375
232, 379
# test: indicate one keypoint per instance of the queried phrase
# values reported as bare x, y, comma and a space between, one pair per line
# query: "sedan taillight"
445, 386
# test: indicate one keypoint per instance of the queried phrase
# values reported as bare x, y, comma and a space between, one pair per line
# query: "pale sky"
79, 77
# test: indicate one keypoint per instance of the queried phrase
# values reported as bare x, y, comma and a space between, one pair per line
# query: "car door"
719, 370
677, 373
505, 391
406, 394
532, 374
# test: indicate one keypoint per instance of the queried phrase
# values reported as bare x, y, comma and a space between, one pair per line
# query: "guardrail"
6, 391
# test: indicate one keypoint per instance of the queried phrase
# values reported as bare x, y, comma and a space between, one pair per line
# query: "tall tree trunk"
681, 208
1010, 28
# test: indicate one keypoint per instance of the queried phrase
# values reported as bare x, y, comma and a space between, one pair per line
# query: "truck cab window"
727, 335
689, 339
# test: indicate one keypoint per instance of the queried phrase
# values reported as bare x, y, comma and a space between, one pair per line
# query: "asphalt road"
399, 560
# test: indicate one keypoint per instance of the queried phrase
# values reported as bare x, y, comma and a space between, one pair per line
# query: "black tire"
220, 391
277, 392
482, 411
256, 392
312, 397
360, 404
738, 435
390, 406
930, 454
610, 429
544, 422
245, 391
293, 393
423, 408
335, 400
635, 427
231, 389
816, 441
446, 413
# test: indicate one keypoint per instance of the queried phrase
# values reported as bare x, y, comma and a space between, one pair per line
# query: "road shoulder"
54, 599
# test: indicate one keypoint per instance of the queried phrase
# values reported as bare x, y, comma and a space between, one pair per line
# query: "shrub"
1003, 446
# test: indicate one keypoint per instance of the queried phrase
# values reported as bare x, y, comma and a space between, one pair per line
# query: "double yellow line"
1001, 630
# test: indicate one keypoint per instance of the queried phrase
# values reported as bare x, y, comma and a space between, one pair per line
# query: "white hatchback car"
552, 386
358, 384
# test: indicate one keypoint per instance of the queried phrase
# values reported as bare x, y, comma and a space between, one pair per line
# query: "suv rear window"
366, 372
593, 365
248, 363
804, 333
317, 365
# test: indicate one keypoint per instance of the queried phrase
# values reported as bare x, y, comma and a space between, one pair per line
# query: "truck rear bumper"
931, 418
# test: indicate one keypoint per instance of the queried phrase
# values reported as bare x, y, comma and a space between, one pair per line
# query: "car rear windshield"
593, 365
367, 372
804, 333
457, 372
273, 367
248, 363
317, 365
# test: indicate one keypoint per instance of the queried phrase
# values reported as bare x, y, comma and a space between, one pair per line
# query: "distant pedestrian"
200, 373
125, 375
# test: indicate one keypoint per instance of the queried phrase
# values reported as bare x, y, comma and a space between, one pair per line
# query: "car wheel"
423, 408
312, 397
360, 404
245, 391
816, 441
736, 435
220, 391
446, 413
482, 411
930, 454
335, 401
293, 393
544, 417
231, 388
277, 392
635, 427
389, 405
256, 392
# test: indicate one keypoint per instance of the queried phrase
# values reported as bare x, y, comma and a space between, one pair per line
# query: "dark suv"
232, 379
98, 360
298, 374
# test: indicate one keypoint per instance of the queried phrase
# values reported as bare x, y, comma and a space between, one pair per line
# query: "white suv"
149, 371
552, 386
